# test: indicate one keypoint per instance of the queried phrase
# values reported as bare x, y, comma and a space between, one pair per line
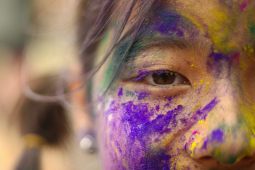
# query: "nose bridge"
227, 111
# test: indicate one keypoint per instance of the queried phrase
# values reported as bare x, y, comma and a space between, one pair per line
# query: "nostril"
206, 158
208, 161
247, 158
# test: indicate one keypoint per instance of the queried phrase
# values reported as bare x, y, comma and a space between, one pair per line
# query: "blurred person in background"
36, 134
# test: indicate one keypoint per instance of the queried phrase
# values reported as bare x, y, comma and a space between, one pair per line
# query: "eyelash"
149, 78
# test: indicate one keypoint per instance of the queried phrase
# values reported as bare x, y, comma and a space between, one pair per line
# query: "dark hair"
94, 22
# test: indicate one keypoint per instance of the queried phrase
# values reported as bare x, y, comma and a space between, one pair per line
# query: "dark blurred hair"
44, 120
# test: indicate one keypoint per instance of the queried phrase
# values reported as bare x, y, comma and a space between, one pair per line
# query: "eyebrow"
168, 29
143, 43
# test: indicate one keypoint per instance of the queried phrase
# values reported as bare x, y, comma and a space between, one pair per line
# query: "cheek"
129, 131
135, 131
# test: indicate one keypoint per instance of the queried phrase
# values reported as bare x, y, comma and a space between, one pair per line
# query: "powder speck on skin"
217, 135
157, 108
141, 95
204, 146
120, 93
195, 132
242, 6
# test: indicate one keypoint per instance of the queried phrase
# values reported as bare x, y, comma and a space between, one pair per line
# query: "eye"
165, 77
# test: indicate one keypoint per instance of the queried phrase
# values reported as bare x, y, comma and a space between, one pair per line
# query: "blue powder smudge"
141, 128
185, 146
140, 72
166, 105
167, 22
217, 135
157, 108
204, 146
206, 109
141, 76
138, 116
170, 98
141, 95
120, 93
215, 62
157, 160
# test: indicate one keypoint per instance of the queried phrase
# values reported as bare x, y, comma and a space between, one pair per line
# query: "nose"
225, 135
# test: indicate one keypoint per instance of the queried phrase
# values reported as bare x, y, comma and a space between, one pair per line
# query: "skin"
205, 119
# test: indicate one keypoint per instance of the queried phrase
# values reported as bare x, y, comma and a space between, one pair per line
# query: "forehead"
227, 23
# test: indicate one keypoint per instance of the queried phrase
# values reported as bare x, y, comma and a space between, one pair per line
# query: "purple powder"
207, 108
141, 128
157, 160
120, 93
185, 146
157, 108
166, 105
141, 95
217, 135
170, 98
167, 22
204, 146
141, 76
140, 72
217, 62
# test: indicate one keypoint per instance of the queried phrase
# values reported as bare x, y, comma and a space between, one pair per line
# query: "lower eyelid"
161, 91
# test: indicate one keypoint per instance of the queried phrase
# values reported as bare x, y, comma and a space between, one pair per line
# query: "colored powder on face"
120, 93
138, 117
129, 93
252, 28
216, 60
143, 75
217, 135
204, 146
167, 22
170, 98
140, 72
195, 132
157, 108
207, 108
141, 95
139, 128
242, 6
157, 160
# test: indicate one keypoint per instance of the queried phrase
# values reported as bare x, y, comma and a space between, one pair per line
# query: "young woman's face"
184, 97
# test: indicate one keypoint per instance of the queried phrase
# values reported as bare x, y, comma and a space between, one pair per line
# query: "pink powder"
242, 6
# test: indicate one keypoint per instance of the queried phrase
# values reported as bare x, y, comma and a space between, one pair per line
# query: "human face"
184, 98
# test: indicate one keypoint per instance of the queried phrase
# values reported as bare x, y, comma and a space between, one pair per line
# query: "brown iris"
163, 77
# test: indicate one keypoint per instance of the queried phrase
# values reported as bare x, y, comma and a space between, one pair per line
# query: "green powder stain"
252, 28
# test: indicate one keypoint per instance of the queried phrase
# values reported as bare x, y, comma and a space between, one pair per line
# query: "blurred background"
38, 39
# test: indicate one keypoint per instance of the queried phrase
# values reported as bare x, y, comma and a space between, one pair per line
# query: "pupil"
166, 77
